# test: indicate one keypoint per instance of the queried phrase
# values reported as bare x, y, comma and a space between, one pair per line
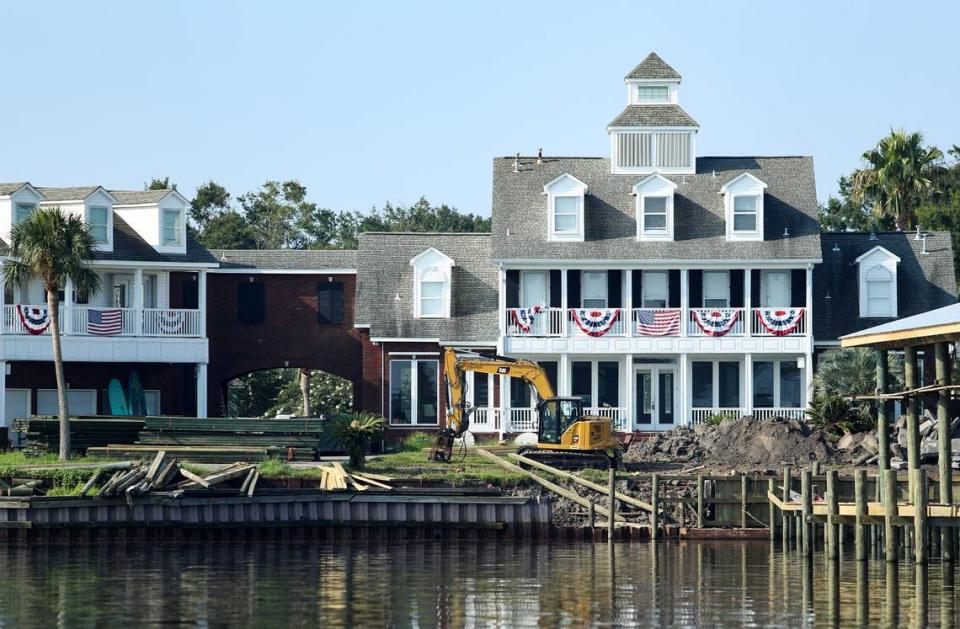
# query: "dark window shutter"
615, 288
755, 279
330, 302
573, 289
191, 293
555, 289
550, 368
673, 287
250, 303
636, 285
696, 288
736, 288
513, 289
798, 288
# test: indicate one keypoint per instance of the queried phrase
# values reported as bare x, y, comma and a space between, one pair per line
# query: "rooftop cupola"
653, 134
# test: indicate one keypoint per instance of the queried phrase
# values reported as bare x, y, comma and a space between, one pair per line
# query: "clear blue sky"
368, 102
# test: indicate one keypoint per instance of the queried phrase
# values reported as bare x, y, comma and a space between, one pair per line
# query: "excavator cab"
556, 416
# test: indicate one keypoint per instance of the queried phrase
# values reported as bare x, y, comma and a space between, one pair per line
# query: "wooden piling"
944, 450
612, 504
806, 499
772, 510
883, 411
832, 533
889, 478
655, 501
860, 499
591, 515
913, 429
919, 515
743, 501
815, 468
785, 520
700, 501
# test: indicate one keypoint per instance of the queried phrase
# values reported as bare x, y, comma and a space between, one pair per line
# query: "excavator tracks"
569, 460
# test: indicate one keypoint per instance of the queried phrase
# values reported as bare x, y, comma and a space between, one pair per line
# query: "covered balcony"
657, 303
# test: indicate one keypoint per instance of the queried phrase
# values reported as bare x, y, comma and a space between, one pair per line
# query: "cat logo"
503, 370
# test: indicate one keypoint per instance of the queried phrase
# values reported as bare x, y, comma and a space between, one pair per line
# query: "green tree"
210, 201
853, 371
898, 177
252, 394
56, 248
160, 184
329, 395
228, 230
843, 213
279, 214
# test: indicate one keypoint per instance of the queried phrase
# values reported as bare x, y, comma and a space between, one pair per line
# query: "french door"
655, 397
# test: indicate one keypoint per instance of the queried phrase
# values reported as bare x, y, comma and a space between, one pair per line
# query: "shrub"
417, 442
836, 414
354, 433
718, 418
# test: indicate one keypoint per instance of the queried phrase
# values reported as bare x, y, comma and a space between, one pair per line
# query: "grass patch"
594, 475
417, 441
414, 466
275, 468
69, 490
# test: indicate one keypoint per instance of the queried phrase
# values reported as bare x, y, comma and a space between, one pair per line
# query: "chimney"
539, 157
516, 163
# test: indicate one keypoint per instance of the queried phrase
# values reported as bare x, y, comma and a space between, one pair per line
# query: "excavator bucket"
442, 450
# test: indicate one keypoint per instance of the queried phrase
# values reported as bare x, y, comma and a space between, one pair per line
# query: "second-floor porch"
657, 302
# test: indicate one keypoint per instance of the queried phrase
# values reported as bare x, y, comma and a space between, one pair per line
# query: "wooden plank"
87, 486
193, 477
155, 466
371, 481
253, 483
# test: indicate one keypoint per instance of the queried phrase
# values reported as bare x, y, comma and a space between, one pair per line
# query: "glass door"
655, 397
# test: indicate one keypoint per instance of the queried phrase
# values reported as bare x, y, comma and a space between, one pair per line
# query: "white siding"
143, 220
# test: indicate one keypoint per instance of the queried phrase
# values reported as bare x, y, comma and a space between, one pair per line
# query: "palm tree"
55, 248
898, 178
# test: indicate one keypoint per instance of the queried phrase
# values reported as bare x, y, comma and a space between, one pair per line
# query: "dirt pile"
743, 443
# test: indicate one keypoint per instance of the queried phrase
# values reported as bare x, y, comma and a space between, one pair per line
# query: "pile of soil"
744, 443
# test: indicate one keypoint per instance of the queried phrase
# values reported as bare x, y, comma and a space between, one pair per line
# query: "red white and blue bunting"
35, 320
524, 318
170, 321
715, 322
780, 321
595, 322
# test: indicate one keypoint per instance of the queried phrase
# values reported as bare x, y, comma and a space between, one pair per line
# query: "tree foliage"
275, 392
160, 184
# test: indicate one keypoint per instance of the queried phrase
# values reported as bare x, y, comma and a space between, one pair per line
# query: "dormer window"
877, 271
653, 93
655, 208
743, 207
98, 220
565, 198
431, 284
23, 211
171, 228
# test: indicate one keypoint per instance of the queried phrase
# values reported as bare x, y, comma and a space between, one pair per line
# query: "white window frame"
605, 288
525, 277
777, 385
414, 392
765, 286
641, 99
22, 204
704, 297
754, 213
654, 186
565, 186
875, 261
715, 382
743, 185
433, 275
645, 288
107, 226
432, 265
181, 228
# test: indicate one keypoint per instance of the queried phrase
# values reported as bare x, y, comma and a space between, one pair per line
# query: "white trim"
889, 254
150, 265
361, 326
259, 271
662, 188
413, 353
414, 394
555, 180
472, 344
432, 250
399, 339
826, 343
753, 180
743, 185
673, 263
575, 190
888, 263
174, 191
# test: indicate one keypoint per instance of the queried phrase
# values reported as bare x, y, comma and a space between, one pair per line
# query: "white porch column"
628, 300
628, 382
201, 389
563, 375
504, 413
563, 308
808, 313
3, 395
683, 391
808, 317
748, 301
748, 383
138, 302
502, 301
202, 301
684, 300
66, 321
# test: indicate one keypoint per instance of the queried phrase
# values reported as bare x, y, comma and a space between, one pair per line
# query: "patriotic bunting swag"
524, 318
35, 320
170, 322
715, 322
780, 321
658, 323
596, 322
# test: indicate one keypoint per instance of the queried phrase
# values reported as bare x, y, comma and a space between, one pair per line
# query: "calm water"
452, 585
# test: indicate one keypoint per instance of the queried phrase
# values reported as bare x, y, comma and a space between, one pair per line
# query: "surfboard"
135, 396
118, 401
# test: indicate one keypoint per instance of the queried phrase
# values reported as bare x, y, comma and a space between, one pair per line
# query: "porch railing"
779, 322
789, 413
716, 322
485, 419
521, 420
166, 322
701, 415
617, 415
529, 322
104, 321
86, 321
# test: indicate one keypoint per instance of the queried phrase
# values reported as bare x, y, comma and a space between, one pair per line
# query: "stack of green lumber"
41, 434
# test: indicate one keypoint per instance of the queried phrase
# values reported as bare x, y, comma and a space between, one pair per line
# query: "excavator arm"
455, 366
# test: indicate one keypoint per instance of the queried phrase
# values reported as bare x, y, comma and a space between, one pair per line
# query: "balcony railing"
521, 420
701, 415
788, 413
485, 419
655, 322
617, 415
93, 321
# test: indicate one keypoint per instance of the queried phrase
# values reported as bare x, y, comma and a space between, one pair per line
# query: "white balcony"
109, 322
716, 322
701, 415
779, 322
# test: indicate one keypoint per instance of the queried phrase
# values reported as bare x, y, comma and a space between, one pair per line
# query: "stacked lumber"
334, 477
42, 434
168, 475
224, 439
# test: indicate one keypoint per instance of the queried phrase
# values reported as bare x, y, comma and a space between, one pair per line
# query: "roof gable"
653, 67
743, 179
571, 181
877, 249
432, 256
650, 179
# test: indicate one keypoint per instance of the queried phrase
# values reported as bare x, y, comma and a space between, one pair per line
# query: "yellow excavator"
566, 437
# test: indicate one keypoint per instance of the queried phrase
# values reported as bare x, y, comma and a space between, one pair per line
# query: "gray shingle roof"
9, 188
653, 67
285, 259
129, 245
520, 211
69, 193
133, 197
653, 116
924, 282
384, 272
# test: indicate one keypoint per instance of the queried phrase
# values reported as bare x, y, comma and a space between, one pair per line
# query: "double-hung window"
653, 93
565, 215
431, 299
776, 289
777, 384
172, 228
654, 215
98, 220
716, 289
879, 292
655, 289
23, 211
745, 213
594, 289
414, 392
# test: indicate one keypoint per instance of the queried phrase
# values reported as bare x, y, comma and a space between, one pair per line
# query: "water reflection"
662, 583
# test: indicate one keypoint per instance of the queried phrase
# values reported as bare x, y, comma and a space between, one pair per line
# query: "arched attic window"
878, 283
432, 284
